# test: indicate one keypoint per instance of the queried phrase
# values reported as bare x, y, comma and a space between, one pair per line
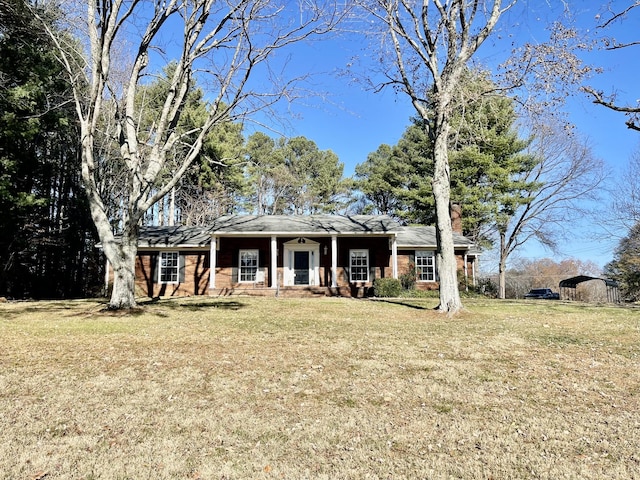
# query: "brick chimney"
455, 211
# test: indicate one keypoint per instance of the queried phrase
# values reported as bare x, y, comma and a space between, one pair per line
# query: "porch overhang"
311, 228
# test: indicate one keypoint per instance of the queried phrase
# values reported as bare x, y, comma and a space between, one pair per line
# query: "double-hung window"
248, 265
169, 267
425, 266
359, 265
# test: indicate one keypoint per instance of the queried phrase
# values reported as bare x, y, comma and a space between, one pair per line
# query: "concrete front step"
301, 292
285, 292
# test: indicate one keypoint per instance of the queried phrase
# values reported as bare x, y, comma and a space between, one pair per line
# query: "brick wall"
196, 275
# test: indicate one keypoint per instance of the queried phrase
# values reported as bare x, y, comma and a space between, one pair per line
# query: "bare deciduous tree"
430, 45
621, 213
222, 44
626, 199
566, 176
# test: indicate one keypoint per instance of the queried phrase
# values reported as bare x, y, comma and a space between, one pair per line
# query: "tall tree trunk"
121, 252
123, 293
502, 268
447, 266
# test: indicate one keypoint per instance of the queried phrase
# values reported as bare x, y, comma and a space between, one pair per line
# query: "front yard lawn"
205, 388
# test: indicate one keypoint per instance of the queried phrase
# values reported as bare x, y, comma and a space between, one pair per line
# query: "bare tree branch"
610, 43
616, 16
609, 102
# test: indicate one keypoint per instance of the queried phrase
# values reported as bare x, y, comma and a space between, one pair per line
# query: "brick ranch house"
289, 254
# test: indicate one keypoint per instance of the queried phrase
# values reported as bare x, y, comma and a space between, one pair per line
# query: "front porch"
332, 265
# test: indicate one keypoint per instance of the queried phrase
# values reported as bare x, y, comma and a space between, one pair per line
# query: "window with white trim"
359, 265
169, 271
425, 266
248, 265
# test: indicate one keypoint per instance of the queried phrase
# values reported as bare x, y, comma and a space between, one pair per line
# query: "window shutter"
234, 275
372, 272
412, 258
181, 267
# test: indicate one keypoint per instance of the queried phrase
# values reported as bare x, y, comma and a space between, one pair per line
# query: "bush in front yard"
408, 280
387, 287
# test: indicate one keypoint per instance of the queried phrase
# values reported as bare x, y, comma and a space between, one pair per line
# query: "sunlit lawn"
319, 388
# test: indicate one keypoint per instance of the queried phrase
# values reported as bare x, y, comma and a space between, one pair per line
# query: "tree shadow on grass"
402, 303
182, 304
99, 307
35, 307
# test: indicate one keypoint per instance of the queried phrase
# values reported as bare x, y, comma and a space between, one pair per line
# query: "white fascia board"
428, 247
220, 233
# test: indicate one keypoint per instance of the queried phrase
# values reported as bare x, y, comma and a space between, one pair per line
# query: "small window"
359, 264
169, 267
425, 266
248, 265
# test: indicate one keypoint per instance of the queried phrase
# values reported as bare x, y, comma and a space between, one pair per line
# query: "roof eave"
300, 234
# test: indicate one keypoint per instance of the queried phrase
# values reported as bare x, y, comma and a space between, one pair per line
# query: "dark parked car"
545, 293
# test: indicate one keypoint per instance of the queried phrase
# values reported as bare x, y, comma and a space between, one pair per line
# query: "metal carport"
568, 287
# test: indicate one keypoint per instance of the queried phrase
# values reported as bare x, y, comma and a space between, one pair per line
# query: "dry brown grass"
319, 388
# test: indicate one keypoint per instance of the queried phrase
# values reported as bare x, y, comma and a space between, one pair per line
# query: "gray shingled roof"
298, 225
305, 224
180, 236
425, 236
174, 237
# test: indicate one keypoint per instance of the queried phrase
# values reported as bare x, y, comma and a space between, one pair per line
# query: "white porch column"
212, 263
273, 276
466, 272
473, 269
334, 261
107, 266
394, 256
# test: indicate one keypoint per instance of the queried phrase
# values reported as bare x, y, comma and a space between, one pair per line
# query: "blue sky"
353, 121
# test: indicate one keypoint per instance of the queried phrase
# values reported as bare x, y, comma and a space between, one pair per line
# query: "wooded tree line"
94, 143
47, 244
